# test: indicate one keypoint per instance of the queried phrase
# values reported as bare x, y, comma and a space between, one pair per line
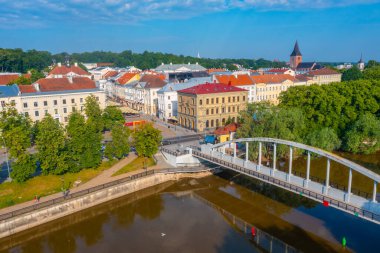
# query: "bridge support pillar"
290, 163
234, 150
274, 158
246, 151
306, 182
348, 194
326, 187
374, 191
259, 164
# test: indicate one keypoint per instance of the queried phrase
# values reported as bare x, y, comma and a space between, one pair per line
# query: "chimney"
70, 78
36, 86
76, 64
235, 75
59, 64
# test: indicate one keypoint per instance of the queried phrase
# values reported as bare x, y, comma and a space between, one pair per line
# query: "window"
243, 98
193, 101
46, 112
36, 113
200, 102
73, 100
212, 101
168, 97
212, 111
55, 102
223, 110
222, 100
73, 109
25, 105
217, 100
35, 104
207, 101
65, 119
81, 100
207, 112
45, 103
56, 111
170, 114
233, 99
64, 110
97, 98
64, 101
238, 98
229, 99
233, 108
3, 103
26, 114
13, 102
192, 111
169, 106
217, 110
81, 108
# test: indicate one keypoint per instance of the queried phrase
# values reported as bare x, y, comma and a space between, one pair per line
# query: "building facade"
207, 106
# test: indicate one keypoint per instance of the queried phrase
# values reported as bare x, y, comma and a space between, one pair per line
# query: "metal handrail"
74, 195
275, 181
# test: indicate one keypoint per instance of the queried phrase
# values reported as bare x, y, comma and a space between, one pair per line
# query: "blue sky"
327, 30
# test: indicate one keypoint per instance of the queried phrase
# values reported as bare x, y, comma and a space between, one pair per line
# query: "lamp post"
9, 179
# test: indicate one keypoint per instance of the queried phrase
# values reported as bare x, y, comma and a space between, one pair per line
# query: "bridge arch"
330, 157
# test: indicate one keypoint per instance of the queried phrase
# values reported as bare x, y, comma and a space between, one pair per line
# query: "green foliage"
112, 115
21, 80
35, 75
23, 168
228, 121
76, 131
16, 60
93, 113
372, 63
50, 143
372, 73
324, 138
146, 140
231, 67
120, 142
364, 135
352, 74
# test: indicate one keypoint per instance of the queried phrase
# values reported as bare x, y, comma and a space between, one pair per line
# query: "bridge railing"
355, 210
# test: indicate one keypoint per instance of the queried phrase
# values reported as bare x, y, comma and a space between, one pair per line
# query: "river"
212, 214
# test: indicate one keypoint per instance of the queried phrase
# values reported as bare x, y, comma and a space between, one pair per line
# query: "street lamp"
9, 179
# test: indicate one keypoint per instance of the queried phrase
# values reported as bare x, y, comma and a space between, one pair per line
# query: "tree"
50, 143
372, 63
147, 140
364, 136
120, 142
352, 74
35, 75
324, 138
372, 73
76, 131
21, 80
23, 168
112, 116
93, 112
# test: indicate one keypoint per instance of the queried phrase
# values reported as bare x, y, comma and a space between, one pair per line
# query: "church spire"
296, 50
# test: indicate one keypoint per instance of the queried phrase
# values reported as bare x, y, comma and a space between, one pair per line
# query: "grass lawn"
14, 193
137, 163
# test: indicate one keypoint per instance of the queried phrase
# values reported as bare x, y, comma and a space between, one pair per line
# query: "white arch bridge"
345, 199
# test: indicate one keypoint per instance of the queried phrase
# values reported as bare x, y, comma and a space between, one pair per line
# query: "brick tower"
295, 57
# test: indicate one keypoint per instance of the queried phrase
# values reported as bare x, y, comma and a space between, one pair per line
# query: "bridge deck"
357, 205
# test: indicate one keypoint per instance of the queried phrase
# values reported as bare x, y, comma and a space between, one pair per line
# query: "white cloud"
125, 11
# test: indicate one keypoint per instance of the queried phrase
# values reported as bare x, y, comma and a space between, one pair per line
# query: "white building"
178, 68
167, 96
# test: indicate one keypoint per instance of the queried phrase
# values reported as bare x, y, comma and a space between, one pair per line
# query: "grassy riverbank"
136, 164
14, 193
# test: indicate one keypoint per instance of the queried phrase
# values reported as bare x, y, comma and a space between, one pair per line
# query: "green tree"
35, 75
147, 140
21, 80
23, 168
76, 133
364, 136
93, 112
120, 142
352, 74
372, 73
372, 63
50, 143
112, 116
324, 138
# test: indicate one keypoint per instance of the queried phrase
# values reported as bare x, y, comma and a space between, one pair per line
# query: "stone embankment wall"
37, 217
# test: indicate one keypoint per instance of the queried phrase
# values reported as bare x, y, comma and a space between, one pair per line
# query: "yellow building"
324, 76
209, 105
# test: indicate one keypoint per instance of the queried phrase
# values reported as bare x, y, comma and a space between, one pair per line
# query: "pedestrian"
38, 198
35, 198
344, 242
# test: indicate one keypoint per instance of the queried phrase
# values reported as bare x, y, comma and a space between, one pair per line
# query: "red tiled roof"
153, 81
7, 78
64, 70
125, 78
302, 78
226, 129
62, 84
215, 70
232, 127
278, 70
111, 73
272, 78
27, 88
237, 80
208, 88
321, 72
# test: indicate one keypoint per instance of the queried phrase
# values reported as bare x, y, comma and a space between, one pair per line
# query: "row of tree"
372, 71
71, 148
17, 60
336, 116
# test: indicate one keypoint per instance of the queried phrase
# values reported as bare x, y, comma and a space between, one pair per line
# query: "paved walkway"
102, 178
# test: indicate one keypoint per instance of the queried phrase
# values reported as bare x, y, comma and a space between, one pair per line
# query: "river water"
212, 214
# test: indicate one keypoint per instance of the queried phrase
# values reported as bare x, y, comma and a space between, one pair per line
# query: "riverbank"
47, 211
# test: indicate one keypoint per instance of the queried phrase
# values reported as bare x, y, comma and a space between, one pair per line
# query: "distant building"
324, 76
168, 99
295, 56
281, 71
60, 71
361, 64
177, 68
6, 78
90, 66
209, 105
299, 66
344, 66
56, 96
